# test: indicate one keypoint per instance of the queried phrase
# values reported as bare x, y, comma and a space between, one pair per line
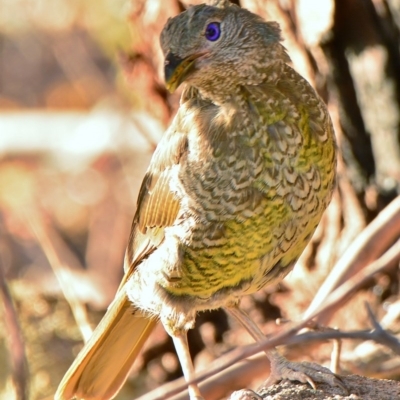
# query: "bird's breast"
253, 189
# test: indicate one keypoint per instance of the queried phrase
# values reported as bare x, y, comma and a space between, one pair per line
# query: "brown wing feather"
157, 206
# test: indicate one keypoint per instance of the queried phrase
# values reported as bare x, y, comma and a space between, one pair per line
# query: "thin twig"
46, 238
19, 363
378, 335
343, 292
368, 246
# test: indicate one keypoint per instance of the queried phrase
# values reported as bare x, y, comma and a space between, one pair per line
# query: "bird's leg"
182, 349
281, 368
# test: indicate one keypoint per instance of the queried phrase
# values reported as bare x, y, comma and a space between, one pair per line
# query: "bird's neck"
227, 90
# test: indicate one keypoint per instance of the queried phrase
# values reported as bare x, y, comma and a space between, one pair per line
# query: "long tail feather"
103, 364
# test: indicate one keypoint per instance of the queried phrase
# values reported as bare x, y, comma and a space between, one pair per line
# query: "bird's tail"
102, 366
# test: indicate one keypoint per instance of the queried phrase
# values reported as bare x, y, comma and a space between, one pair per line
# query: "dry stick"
378, 335
171, 389
369, 245
235, 377
388, 260
19, 362
44, 237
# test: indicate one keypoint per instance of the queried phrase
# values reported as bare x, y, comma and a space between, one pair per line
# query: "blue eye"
213, 31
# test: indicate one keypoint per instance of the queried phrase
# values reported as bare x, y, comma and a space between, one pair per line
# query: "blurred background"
82, 107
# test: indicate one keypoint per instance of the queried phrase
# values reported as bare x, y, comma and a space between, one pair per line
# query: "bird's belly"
219, 264
240, 255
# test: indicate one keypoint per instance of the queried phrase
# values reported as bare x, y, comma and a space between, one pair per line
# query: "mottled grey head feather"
246, 47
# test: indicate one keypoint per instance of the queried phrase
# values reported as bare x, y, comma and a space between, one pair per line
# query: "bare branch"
46, 239
19, 363
369, 245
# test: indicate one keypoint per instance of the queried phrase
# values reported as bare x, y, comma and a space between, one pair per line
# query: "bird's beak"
176, 69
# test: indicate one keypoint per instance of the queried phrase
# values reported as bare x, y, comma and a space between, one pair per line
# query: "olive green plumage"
237, 185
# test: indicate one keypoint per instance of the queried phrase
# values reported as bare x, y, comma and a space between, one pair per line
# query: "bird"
233, 193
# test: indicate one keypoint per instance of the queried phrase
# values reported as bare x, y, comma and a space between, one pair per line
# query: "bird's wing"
157, 205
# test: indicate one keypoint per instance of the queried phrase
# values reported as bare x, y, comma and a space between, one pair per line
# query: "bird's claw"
304, 372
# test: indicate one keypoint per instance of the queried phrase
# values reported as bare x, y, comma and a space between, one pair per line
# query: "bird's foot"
281, 369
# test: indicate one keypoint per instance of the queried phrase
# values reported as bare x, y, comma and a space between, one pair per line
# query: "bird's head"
220, 44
